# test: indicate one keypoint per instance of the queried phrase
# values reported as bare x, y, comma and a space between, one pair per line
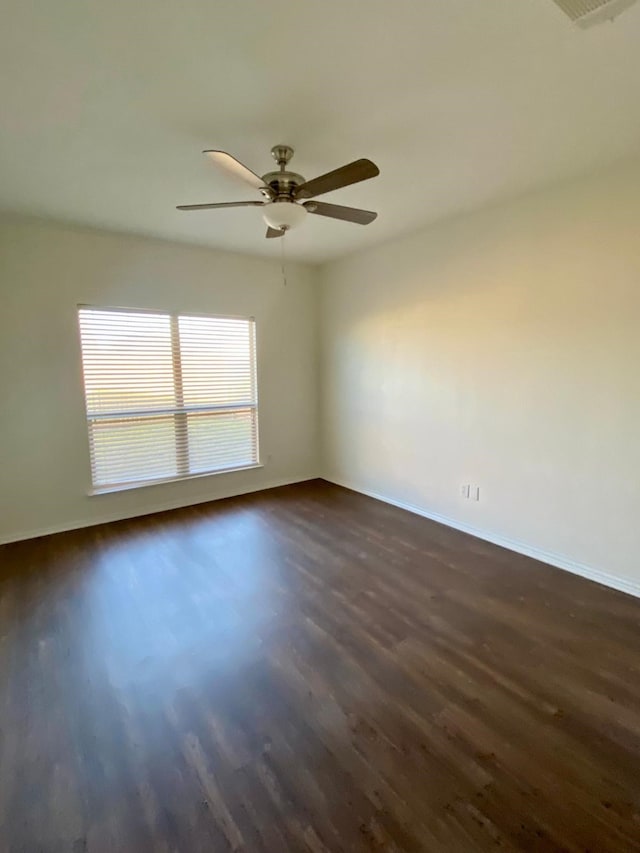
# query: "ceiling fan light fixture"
283, 215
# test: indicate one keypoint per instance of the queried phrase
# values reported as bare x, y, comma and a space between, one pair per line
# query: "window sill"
125, 487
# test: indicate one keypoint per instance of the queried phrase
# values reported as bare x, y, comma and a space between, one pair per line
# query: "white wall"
500, 349
45, 271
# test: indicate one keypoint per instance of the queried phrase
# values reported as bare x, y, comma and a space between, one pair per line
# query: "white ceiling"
107, 104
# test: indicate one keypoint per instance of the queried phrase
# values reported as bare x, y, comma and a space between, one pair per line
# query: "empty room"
319, 426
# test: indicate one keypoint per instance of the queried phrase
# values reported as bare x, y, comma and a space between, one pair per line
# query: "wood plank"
307, 669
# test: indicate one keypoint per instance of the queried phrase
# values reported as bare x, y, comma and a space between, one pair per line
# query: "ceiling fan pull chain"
282, 258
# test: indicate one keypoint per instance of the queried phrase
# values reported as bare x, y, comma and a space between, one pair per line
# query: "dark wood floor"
307, 669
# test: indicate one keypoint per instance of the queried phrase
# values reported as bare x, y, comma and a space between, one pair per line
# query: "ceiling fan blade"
220, 204
359, 170
273, 232
338, 211
235, 167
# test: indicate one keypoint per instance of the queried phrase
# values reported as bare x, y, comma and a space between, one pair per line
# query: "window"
168, 395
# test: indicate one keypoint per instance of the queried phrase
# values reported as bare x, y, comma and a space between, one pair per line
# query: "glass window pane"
221, 440
124, 451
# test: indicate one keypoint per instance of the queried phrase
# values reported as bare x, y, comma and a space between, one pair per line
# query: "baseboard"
559, 562
164, 507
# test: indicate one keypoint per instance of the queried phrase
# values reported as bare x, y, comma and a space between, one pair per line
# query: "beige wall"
499, 349
45, 271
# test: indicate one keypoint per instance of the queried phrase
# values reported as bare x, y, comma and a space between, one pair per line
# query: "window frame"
179, 413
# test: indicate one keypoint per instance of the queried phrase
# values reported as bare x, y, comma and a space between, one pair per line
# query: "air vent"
586, 13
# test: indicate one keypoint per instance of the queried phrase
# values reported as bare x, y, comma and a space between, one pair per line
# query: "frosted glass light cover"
283, 214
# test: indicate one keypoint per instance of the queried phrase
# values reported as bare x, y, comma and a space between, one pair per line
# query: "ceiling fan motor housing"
283, 183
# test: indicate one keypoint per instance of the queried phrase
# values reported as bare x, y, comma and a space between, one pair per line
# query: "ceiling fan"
285, 193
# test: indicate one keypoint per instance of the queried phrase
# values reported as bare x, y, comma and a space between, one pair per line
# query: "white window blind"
168, 395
